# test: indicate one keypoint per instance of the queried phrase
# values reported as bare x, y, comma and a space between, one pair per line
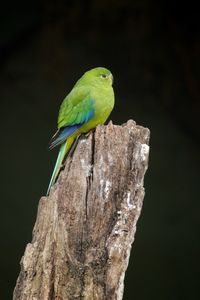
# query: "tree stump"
84, 230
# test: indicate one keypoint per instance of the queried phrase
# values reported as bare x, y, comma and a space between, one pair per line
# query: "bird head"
99, 76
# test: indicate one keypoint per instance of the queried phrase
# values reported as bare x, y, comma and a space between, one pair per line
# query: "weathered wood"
85, 228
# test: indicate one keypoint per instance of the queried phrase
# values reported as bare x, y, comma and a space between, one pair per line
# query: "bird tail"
62, 152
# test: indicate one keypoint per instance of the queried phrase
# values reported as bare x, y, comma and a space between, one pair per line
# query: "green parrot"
89, 103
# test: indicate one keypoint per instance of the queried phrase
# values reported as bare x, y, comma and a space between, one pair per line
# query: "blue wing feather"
67, 131
63, 134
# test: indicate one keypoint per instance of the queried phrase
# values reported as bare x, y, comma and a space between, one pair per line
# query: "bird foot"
88, 133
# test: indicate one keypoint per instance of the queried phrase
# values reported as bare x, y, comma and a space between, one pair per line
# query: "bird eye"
103, 75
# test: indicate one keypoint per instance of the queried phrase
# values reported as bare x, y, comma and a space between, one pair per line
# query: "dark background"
152, 49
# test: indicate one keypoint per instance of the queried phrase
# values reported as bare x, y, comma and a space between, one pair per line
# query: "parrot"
88, 104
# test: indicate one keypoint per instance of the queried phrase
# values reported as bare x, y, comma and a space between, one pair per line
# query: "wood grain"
84, 230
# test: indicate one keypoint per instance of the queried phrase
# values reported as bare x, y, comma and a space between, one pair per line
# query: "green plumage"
89, 103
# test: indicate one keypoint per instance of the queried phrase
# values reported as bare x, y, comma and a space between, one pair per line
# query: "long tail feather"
59, 160
62, 152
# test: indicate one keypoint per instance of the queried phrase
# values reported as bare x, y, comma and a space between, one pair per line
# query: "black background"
152, 49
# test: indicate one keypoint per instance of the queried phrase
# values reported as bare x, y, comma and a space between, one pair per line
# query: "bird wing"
76, 110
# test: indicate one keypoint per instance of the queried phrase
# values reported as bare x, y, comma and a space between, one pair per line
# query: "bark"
84, 230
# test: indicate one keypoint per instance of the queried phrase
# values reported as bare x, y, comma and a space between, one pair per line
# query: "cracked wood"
84, 230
